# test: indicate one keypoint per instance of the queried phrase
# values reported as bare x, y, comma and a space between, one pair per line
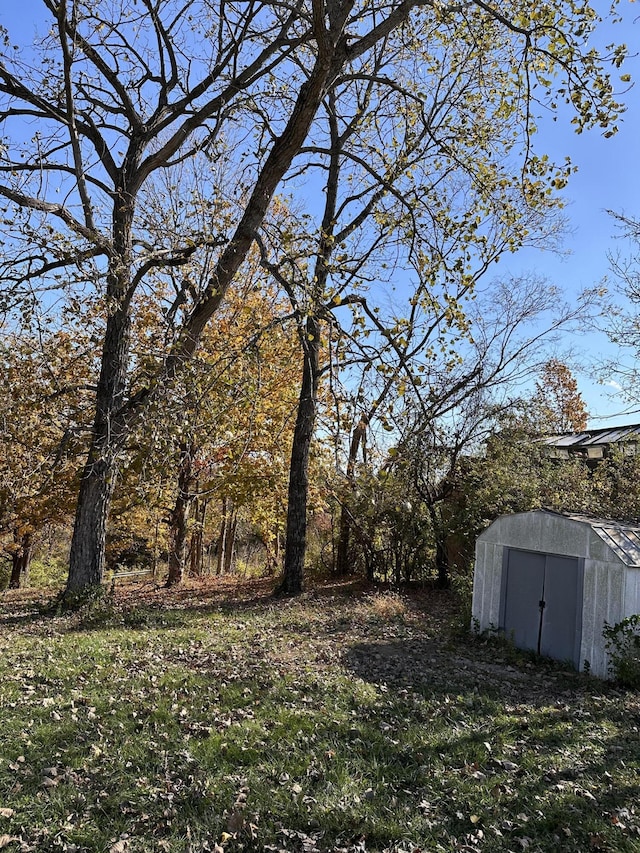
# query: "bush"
622, 642
50, 571
387, 605
5, 574
462, 586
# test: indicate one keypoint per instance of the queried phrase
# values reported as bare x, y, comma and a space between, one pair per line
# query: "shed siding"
631, 593
480, 571
486, 593
567, 539
614, 592
589, 616
593, 641
597, 549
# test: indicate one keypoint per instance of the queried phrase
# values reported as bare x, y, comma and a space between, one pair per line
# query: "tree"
217, 436
622, 314
558, 403
112, 96
390, 539
512, 473
451, 403
448, 217
46, 381
235, 403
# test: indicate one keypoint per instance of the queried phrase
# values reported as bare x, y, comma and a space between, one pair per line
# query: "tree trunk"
88, 544
343, 566
369, 566
227, 537
276, 549
273, 552
21, 560
180, 517
196, 547
296, 532
222, 538
110, 428
343, 563
178, 541
396, 559
442, 563
156, 549
230, 542
442, 557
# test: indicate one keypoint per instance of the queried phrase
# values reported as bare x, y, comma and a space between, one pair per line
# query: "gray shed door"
543, 603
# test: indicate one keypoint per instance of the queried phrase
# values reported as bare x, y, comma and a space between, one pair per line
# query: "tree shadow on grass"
543, 758
418, 662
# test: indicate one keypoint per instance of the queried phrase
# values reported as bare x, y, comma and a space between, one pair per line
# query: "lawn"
217, 718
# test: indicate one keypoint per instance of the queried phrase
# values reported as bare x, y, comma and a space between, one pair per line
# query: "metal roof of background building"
593, 444
590, 437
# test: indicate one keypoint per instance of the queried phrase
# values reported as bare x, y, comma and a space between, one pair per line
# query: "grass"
217, 719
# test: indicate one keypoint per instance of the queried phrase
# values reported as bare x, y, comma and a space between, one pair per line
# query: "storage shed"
551, 581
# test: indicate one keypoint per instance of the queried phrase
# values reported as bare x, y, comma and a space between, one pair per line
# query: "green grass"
329, 723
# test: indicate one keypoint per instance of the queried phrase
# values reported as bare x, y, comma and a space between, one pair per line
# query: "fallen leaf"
5, 840
235, 822
7, 812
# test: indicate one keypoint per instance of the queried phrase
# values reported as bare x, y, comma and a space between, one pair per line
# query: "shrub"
385, 606
50, 571
5, 574
622, 642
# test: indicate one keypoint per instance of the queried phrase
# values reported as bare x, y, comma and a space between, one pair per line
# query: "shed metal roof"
623, 539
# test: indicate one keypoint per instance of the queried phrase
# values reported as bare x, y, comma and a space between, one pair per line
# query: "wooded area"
248, 310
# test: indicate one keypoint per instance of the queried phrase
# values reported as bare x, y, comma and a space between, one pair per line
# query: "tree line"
209, 206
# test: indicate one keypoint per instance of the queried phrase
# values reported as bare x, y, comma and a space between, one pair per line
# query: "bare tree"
451, 401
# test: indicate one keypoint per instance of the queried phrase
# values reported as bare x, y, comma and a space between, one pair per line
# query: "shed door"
525, 587
543, 603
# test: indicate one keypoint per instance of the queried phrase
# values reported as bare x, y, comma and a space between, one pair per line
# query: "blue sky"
608, 177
